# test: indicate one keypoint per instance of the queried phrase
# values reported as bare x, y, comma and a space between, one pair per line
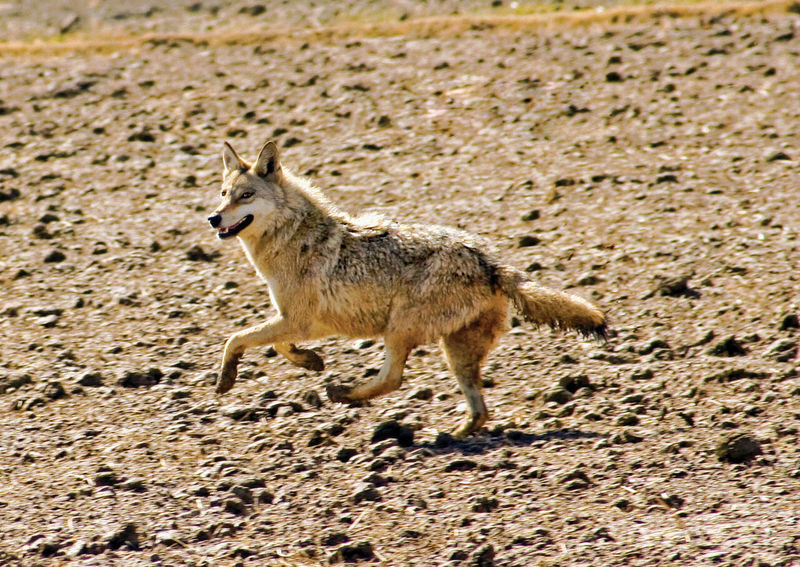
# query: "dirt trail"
655, 165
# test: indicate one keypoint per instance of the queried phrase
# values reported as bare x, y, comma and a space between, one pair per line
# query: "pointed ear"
231, 160
267, 163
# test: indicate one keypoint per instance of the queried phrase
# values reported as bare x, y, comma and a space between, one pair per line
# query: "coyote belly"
332, 274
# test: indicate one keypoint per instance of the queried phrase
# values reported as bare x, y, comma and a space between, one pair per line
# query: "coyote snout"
331, 274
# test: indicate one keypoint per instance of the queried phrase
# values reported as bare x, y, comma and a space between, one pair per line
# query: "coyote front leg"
276, 330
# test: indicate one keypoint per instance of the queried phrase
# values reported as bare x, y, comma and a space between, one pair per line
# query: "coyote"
332, 274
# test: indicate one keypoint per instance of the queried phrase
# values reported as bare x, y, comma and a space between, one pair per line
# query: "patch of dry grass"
427, 27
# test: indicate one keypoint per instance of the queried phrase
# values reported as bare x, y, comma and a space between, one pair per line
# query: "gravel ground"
655, 166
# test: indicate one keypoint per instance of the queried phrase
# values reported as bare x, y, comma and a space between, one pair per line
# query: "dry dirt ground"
651, 167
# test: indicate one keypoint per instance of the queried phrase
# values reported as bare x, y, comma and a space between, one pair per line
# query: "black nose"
215, 220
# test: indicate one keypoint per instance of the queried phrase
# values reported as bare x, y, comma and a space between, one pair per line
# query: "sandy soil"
655, 164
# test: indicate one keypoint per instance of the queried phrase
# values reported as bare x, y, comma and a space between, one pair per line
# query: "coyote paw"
307, 358
338, 393
469, 426
227, 377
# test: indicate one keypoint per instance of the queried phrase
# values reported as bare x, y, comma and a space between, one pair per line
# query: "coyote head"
250, 193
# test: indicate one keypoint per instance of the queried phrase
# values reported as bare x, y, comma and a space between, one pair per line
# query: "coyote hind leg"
388, 379
466, 350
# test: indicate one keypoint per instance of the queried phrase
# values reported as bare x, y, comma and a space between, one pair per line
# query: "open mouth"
233, 230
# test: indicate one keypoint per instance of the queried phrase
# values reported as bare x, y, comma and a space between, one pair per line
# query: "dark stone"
483, 556
790, 321
484, 504
54, 257
134, 485
197, 254
54, 391
676, 287
532, 215
782, 350
460, 465
353, 553
329, 539
558, 395
345, 454
312, 398
728, 346
235, 506
627, 419
138, 378
244, 493
738, 448
106, 478
528, 240
393, 430
574, 383
91, 380
779, 156
124, 535
366, 491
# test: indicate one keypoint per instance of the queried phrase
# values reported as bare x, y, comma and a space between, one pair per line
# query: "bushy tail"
556, 309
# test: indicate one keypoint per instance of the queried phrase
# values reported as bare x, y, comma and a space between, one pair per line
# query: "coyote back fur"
332, 274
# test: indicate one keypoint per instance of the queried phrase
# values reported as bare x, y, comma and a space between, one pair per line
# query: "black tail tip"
597, 332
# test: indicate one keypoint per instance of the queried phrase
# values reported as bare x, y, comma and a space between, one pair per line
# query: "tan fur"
331, 274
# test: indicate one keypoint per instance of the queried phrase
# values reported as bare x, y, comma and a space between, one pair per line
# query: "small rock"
366, 491
528, 240
782, 350
312, 398
626, 436
642, 374
197, 254
738, 448
421, 394
558, 395
54, 257
244, 493
532, 215
169, 538
124, 535
234, 506
76, 549
345, 454
627, 419
573, 383
54, 390
484, 504
134, 485
483, 556
587, 278
779, 156
729, 346
244, 413
790, 321
106, 478
460, 465
353, 553
676, 287
138, 378
91, 380
393, 430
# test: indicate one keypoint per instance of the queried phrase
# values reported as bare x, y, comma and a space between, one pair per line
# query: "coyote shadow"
480, 444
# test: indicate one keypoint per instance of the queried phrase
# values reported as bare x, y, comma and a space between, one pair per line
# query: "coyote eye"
247, 194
